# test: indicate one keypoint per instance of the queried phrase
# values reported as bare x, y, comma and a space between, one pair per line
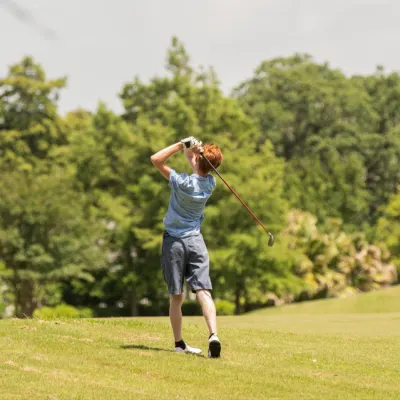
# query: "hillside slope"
381, 301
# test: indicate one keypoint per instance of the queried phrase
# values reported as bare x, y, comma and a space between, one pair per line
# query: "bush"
191, 307
62, 311
224, 307
110, 312
85, 313
154, 309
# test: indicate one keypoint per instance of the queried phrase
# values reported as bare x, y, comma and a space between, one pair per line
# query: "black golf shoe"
214, 346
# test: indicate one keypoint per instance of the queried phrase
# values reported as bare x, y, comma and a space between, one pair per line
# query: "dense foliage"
314, 153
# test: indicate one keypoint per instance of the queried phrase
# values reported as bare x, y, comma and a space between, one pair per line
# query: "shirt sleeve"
178, 181
213, 182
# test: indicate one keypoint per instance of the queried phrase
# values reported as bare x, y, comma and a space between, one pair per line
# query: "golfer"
184, 253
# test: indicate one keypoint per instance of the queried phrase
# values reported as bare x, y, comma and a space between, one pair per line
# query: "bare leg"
208, 307
175, 315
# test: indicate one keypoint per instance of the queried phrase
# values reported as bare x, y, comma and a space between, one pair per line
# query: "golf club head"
271, 240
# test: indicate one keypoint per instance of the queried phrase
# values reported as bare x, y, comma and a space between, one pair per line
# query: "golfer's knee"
203, 294
176, 299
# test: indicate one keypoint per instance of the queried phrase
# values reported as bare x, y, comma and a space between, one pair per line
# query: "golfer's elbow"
154, 159
157, 162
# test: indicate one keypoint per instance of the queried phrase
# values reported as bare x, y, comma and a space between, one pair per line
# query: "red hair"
214, 155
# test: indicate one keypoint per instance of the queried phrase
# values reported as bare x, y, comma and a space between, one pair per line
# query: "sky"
100, 45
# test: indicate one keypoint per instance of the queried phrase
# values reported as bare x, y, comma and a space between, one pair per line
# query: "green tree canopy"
45, 236
29, 123
342, 157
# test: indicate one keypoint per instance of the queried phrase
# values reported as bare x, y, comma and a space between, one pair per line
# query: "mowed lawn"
329, 349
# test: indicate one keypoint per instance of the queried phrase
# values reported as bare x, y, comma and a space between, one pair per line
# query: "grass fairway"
330, 349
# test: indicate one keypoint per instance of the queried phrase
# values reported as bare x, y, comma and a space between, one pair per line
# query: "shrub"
154, 309
62, 311
85, 313
224, 307
191, 307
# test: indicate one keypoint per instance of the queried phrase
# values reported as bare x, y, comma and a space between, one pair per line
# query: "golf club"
271, 239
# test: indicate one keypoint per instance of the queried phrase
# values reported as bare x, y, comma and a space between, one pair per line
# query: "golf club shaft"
236, 195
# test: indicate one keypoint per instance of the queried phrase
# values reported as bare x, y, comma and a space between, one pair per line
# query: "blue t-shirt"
189, 195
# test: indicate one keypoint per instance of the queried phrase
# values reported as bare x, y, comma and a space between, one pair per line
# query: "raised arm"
158, 159
190, 156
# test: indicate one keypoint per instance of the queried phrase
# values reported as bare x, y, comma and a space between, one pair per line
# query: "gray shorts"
185, 258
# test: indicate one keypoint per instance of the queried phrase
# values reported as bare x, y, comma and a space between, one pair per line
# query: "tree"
297, 101
388, 228
381, 150
102, 154
45, 237
330, 130
384, 92
329, 185
29, 124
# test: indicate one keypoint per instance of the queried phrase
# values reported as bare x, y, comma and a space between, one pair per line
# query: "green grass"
381, 301
331, 349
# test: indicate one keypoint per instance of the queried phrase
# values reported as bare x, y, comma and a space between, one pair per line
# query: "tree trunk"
134, 302
186, 293
238, 293
17, 294
27, 299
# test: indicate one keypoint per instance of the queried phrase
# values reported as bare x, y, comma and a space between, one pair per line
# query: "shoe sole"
214, 349
187, 352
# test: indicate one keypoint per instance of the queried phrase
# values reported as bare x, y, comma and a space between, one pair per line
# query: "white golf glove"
197, 142
189, 142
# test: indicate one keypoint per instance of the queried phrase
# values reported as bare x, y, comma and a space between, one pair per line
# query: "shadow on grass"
143, 347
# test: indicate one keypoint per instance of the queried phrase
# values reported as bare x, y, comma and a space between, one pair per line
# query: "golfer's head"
214, 155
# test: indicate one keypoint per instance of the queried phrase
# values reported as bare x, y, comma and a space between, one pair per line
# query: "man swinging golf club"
184, 253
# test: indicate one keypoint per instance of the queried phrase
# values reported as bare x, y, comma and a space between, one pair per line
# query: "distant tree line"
314, 153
